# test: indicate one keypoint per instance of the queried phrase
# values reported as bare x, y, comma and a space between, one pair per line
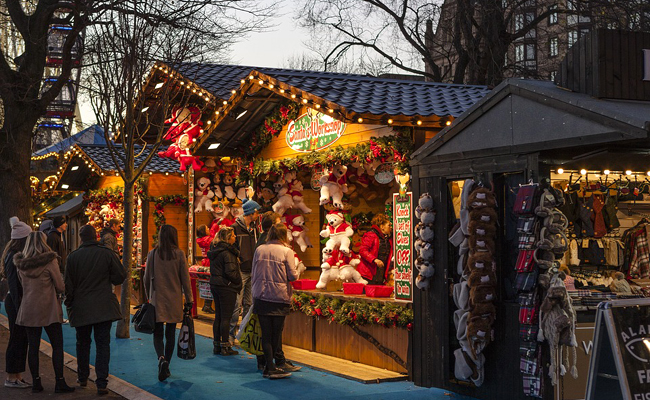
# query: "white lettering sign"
646, 64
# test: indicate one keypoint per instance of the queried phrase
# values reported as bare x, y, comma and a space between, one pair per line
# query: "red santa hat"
338, 213
288, 219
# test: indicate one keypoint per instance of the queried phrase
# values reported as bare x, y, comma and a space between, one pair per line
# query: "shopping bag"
251, 336
186, 348
243, 324
144, 319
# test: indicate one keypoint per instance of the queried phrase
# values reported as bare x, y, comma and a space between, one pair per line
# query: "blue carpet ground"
209, 376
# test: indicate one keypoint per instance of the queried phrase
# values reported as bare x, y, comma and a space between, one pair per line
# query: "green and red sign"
313, 131
403, 246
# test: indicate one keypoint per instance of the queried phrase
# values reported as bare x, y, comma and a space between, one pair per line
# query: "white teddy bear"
338, 231
284, 199
340, 266
334, 185
295, 190
203, 195
296, 225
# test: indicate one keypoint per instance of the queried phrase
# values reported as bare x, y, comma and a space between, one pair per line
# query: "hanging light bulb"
606, 172
560, 171
583, 172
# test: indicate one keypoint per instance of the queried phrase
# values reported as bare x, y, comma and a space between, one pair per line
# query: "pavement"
134, 376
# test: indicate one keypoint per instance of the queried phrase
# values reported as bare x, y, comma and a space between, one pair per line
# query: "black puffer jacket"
224, 267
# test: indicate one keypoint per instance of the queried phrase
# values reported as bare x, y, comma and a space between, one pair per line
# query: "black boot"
226, 350
62, 387
37, 386
216, 348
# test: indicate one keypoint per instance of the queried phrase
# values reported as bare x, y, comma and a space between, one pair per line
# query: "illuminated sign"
313, 131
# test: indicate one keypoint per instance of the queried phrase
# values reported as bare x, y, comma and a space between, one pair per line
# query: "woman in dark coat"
376, 251
16, 355
166, 279
225, 284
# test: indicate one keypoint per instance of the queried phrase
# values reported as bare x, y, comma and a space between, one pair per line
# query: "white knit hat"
19, 229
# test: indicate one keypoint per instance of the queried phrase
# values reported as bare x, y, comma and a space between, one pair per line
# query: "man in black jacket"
91, 303
108, 235
246, 237
55, 240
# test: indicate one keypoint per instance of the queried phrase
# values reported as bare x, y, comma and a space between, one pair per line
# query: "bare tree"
122, 49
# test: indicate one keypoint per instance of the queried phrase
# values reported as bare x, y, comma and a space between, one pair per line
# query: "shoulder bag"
144, 319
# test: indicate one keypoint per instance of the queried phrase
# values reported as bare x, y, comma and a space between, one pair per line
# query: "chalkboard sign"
620, 363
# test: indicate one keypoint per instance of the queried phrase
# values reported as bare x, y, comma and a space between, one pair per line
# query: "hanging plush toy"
295, 190
339, 266
266, 194
338, 231
227, 188
334, 185
284, 200
181, 152
184, 120
203, 195
216, 186
296, 225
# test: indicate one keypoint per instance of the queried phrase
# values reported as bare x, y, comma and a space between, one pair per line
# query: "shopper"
166, 279
46, 226
273, 269
40, 308
246, 237
376, 251
269, 219
92, 306
16, 354
108, 235
55, 240
225, 284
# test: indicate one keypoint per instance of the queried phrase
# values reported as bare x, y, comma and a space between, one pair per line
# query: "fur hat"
543, 258
480, 277
19, 229
480, 228
425, 201
481, 197
485, 214
482, 294
481, 243
480, 260
482, 311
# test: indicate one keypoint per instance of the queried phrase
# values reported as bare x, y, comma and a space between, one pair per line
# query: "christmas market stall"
541, 200
329, 153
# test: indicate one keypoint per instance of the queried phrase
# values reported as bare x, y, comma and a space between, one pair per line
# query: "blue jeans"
245, 296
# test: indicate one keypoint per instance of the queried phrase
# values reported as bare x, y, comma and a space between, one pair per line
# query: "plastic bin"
304, 284
353, 288
378, 291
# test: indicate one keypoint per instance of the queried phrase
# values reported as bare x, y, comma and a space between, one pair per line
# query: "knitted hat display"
19, 229
250, 206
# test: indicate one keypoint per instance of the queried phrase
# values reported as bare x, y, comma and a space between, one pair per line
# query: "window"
519, 53
526, 53
519, 22
571, 5
553, 76
573, 37
553, 50
552, 18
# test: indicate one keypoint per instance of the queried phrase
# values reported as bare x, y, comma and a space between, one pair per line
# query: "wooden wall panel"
160, 185
110, 182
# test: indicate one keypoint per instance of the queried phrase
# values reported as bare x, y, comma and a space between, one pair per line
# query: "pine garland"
281, 115
159, 209
353, 313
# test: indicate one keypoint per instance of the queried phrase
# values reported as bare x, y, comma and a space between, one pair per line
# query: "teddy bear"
425, 268
296, 225
295, 190
284, 199
227, 188
340, 266
216, 186
180, 150
424, 232
425, 203
479, 329
481, 243
338, 231
203, 195
424, 249
300, 266
184, 120
334, 185
266, 194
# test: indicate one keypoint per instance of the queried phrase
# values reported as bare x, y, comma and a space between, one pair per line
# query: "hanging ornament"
384, 173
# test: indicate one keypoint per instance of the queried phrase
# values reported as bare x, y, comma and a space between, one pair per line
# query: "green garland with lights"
353, 313
159, 209
396, 148
280, 116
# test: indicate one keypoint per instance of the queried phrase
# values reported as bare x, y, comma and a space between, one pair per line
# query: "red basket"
304, 284
353, 288
378, 291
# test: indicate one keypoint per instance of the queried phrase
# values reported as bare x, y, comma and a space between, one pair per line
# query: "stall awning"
68, 208
523, 116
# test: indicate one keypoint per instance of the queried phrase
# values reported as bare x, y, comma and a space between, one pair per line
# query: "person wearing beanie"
55, 240
16, 354
91, 303
108, 235
246, 234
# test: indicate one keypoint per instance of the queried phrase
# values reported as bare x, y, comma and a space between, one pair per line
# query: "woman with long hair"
166, 279
273, 268
16, 355
225, 284
38, 270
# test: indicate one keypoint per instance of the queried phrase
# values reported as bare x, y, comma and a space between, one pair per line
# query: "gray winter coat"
274, 267
90, 270
41, 282
172, 280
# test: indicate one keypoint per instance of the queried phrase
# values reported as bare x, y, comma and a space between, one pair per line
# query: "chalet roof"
356, 93
521, 116
101, 156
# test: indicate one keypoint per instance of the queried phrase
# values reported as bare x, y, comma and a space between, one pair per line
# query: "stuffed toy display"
265, 195
339, 266
227, 188
338, 231
204, 195
295, 190
300, 266
180, 151
334, 186
298, 231
184, 120
424, 241
216, 186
